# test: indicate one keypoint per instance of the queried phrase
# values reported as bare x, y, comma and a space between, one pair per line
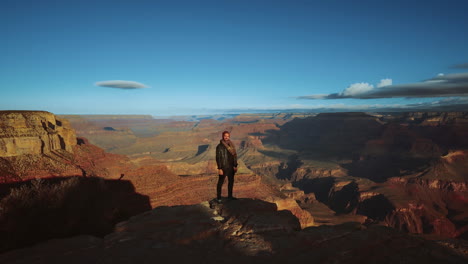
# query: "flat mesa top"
23, 111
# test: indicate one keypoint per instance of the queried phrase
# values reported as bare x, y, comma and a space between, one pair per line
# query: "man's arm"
219, 163
218, 157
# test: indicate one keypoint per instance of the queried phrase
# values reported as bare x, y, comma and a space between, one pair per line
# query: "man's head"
226, 135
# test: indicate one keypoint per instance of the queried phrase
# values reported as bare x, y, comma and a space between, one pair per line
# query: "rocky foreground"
245, 230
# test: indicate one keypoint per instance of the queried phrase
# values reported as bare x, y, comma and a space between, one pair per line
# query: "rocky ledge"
247, 230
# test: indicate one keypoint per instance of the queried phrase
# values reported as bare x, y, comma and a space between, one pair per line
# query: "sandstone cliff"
33, 132
38, 144
35, 144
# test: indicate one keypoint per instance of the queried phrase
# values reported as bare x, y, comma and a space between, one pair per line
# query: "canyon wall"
33, 132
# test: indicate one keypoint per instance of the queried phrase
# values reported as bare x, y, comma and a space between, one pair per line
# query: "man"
226, 159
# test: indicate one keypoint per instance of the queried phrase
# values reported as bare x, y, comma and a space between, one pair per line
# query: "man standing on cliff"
226, 159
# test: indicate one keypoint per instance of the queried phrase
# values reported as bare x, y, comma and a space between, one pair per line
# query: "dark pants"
230, 175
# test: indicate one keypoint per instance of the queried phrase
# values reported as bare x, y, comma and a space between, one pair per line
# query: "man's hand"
235, 169
220, 172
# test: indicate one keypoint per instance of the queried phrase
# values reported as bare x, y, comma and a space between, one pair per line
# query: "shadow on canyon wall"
319, 186
38, 210
286, 169
380, 168
346, 200
376, 207
337, 135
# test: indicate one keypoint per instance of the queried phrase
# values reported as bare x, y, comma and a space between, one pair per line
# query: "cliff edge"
242, 231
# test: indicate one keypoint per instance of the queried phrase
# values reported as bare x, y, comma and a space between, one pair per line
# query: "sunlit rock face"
33, 132
38, 144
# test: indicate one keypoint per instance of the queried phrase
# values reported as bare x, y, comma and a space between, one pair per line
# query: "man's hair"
225, 132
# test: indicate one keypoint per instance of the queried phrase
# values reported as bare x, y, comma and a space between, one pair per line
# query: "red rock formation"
421, 206
94, 161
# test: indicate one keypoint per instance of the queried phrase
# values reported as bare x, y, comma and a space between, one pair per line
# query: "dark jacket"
224, 159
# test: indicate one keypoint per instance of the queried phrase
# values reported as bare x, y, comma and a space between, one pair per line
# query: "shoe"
232, 198
219, 200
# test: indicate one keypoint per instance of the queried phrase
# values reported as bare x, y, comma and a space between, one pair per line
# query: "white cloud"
357, 88
384, 82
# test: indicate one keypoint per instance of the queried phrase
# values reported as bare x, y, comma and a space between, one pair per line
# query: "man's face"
226, 136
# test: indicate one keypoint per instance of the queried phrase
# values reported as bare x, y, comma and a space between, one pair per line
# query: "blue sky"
201, 56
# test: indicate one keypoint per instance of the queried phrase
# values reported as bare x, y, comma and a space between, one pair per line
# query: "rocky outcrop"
37, 144
304, 217
243, 231
414, 205
418, 205
33, 132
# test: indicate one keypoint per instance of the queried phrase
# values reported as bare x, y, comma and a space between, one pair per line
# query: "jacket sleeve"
218, 157
235, 161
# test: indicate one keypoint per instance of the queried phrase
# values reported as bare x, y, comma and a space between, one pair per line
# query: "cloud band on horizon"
460, 66
120, 84
442, 104
440, 86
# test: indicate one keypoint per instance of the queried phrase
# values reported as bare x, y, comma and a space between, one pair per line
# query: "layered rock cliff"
33, 132
35, 144
38, 144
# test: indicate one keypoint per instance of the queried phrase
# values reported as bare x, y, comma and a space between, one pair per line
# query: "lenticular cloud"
119, 84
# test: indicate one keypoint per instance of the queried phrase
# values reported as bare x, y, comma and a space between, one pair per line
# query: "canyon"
406, 172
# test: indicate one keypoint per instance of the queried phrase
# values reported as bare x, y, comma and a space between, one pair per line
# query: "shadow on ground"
39, 210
